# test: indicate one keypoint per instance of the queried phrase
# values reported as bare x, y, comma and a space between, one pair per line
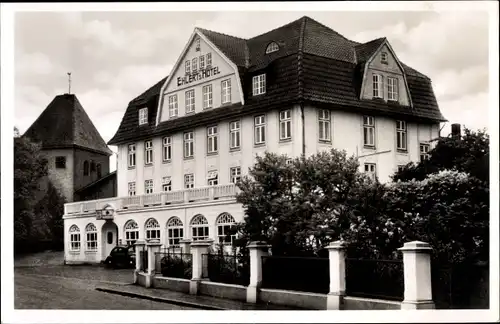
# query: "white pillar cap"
139, 243
202, 243
258, 245
154, 242
416, 246
337, 245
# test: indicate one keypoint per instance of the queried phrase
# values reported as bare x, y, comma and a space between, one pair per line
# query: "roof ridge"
283, 26
227, 35
325, 26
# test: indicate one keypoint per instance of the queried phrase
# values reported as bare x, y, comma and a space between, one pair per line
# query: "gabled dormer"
203, 78
383, 76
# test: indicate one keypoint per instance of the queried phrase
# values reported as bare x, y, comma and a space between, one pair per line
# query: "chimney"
455, 130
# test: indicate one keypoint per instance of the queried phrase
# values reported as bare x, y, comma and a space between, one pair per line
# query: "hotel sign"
105, 214
197, 76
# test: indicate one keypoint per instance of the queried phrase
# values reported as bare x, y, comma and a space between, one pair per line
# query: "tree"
468, 153
49, 211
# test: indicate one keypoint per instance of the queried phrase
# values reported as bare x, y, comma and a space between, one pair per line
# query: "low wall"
222, 290
175, 284
293, 298
141, 279
359, 303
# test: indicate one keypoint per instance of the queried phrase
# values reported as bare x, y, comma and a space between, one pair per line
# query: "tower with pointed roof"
76, 153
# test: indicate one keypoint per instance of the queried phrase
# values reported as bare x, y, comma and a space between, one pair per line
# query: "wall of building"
61, 178
106, 188
220, 70
81, 180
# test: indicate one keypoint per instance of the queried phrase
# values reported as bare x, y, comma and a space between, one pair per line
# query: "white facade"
191, 173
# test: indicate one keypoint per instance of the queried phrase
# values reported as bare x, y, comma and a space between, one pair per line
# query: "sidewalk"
181, 299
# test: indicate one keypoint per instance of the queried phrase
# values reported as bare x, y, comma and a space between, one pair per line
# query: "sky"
115, 56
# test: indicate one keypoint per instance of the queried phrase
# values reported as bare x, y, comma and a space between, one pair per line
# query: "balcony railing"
154, 199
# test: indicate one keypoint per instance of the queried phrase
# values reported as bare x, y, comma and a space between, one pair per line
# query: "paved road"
48, 286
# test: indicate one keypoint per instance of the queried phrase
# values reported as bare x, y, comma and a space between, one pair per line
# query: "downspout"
300, 83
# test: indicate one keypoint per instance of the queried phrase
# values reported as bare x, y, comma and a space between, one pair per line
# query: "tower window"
60, 162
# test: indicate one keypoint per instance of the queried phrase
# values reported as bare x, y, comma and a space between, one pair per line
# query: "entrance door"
109, 238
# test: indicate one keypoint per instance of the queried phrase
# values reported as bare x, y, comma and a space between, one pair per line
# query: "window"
60, 162
188, 144
392, 89
260, 129
289, 161
199, 228
424, 151
235, 174
212, 139
209, 60
197, 44
175, 231
148, 186
99, 171
383, 57
194, 64
173, 108
226, 91
148, 148
225, 224
92, 166
234, 134
166, 184
370, 169
285, 124
401, 135
86, 168
400, 168
131, 188
74, 238
189, 181
91, 233
190, 101
377, 86
143, 116
188, 66
110, 238
207, 96
273, 47
324, 125
213, 178
152, 229
167, 149
368, 131
259, 84
202, 62
131, 155
131, 232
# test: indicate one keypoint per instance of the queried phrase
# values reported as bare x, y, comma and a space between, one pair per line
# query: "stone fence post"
185, 245
198, 248
336, 255
153, 247
417, 276
139, 247
257, 251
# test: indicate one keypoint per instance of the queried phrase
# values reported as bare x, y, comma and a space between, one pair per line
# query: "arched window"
131, 232
224, 224
92, 166
199, 228
99, 172
74, 238
175, 231
86, 168
152, 229
91, 233
272, 47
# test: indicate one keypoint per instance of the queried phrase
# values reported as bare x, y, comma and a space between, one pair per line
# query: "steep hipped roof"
63, 124
314, 65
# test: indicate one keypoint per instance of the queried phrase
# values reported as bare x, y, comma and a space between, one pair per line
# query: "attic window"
143, 116
60, 162
197, 42
383, 57
273, 47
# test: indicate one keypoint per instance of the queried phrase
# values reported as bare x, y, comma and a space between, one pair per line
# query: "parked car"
121, 257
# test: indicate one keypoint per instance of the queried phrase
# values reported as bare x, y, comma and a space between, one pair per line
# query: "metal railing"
175, 265
154, 199
308, 274
226, 268
374, 278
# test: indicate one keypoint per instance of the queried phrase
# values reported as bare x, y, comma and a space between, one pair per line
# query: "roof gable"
64, 123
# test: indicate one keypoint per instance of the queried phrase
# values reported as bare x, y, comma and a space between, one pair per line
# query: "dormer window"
197, 43
383, 58
272, 47
392, 89
194, 64
377, 86
143, 116
188, 66
202, 62
209, 60
259, 84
